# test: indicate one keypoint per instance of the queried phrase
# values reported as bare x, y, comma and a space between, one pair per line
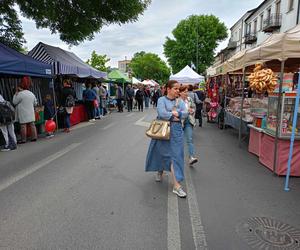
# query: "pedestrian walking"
90, 97
25, 102
156, 95
129, 94
68, 103
97, 109
139, 96
147, 96
7, 118
49, 111
199, 106
103, 98
188, 123
168, 155
119, 97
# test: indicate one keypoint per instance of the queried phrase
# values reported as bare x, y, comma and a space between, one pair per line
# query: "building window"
269, 14
261, 21
291, 4
278, 8
249, 28
255, 27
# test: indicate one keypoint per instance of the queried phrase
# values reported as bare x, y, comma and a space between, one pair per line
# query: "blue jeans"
68, 123
147, 102
188, 134
97, 112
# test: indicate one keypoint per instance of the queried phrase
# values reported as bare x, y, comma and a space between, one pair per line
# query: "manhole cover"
266, 233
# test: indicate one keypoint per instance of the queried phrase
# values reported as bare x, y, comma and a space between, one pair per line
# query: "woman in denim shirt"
168, 155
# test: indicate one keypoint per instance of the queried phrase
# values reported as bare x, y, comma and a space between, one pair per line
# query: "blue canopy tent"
14, 65
13, 62
64, 62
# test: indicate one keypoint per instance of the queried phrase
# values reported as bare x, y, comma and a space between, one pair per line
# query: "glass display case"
287, 114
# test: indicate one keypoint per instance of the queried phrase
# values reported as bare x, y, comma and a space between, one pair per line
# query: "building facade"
256, 25
123, 66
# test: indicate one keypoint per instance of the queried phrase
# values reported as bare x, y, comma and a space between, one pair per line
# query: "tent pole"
242, 106
287, 177
278, 116
55, 103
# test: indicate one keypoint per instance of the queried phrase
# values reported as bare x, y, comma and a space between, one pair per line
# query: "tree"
75, 20
10, 26
149, 66
195, 40
98, 61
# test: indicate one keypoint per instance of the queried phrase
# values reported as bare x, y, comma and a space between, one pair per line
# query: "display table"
79, 115
255, 139
234, 122
266, 156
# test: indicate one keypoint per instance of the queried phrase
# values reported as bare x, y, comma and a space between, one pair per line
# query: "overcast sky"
148, 33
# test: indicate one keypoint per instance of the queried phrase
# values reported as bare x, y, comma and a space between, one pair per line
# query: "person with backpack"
25, 102
7, 118
68, 102
89, 98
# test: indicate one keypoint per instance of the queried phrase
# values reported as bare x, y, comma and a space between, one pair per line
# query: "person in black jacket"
139, 96
199, 107
68, 102
129, 94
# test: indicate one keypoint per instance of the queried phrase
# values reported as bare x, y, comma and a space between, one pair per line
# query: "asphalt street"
88, 190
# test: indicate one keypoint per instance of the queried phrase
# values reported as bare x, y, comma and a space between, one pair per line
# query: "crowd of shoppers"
23, 111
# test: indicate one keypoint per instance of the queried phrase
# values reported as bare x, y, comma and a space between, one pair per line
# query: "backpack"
70, 101
7, 113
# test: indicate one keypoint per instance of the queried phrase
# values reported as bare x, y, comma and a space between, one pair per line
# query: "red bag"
96, 104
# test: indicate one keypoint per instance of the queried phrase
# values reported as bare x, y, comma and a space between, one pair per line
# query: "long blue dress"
162, 153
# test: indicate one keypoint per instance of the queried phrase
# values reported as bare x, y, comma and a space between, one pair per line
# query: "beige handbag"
159, 130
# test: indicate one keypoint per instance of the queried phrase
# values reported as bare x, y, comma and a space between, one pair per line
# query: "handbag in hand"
159, 130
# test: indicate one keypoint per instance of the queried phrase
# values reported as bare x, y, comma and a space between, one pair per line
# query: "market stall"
66, 64
280, 54
13, 66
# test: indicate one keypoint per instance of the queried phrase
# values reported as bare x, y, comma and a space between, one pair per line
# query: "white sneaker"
193, 160
159, 177
6, 149
179, 191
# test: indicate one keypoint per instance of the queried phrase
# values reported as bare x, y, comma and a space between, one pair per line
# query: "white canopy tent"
135, 81
154, 82
187, 76
148, 82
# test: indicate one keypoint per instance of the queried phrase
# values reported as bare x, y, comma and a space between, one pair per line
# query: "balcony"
272, 23
231, 45
250, 38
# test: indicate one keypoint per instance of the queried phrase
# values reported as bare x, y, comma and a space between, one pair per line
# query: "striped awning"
64, 62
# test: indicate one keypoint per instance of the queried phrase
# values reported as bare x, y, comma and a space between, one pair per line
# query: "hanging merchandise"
262, 80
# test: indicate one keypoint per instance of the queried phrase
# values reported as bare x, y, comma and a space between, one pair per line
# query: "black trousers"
90, 109
119, 105
140, 104
129, 104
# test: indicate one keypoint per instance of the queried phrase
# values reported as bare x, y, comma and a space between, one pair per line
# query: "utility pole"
197, 47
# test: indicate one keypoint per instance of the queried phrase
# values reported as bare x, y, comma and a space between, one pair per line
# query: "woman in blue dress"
169, 155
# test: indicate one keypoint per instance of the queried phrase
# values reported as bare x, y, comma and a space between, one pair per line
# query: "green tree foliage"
10, 26
98, 61
204, 31
74, 20
149, 66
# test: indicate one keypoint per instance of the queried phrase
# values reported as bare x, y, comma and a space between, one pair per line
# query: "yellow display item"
262, 80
